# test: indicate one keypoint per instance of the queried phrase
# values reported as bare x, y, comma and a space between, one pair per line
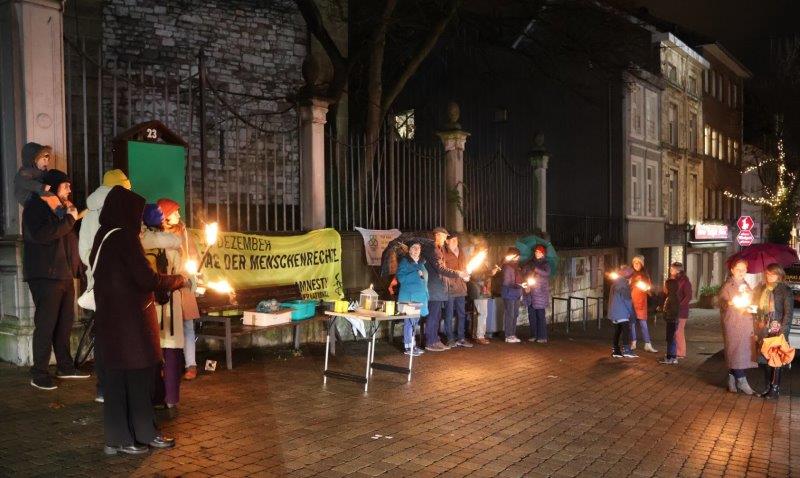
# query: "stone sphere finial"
453, 115
538, 140
312, 73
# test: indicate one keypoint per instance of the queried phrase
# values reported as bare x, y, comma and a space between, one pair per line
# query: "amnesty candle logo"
313, 261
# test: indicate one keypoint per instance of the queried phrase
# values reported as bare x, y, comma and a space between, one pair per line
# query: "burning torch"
476, 261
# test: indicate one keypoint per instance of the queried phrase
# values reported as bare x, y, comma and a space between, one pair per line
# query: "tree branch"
420, 55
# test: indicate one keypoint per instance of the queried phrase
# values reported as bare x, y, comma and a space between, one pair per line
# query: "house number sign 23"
151, 133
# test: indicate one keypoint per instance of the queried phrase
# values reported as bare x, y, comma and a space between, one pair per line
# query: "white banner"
375, 241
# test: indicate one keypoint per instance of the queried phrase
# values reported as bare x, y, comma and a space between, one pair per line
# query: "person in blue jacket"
413, 278
620, 311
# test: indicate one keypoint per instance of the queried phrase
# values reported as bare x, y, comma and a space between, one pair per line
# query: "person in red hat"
189, 309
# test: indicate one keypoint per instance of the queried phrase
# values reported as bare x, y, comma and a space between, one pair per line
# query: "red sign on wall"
745, 223
744, 238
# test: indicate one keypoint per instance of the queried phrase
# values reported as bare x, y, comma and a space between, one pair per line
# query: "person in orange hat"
190, 311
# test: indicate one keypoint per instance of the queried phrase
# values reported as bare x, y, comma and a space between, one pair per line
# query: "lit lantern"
368, 299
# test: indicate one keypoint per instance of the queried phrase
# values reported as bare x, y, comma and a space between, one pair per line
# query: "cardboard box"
263, 319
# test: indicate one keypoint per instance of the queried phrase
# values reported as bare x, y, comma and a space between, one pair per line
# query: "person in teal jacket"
413, 278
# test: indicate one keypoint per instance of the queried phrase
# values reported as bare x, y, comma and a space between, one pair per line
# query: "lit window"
721, 147
404, 124
707, 140
713, 144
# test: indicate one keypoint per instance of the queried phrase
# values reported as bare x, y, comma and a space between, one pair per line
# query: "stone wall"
254, 53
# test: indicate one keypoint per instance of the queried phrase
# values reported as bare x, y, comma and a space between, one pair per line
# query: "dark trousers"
510, 317
128, 414
432, 322
456, 306
672, 345
622, 331
173, 371
537, 319
98, 367
52, 320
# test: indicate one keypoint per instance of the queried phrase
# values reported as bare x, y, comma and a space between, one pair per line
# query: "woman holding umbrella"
737, 327
775, 304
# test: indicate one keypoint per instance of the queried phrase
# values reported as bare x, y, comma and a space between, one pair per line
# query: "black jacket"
125, 321
51, 246
784, 304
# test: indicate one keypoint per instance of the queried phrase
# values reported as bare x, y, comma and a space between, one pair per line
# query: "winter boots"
648, 347
743, 386
731, 383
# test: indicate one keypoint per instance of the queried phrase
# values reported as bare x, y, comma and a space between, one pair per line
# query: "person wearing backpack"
172, 224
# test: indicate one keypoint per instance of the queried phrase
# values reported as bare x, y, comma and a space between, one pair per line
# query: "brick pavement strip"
565, 409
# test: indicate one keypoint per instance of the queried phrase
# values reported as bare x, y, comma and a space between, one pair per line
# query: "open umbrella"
759, 256
398, 248
528, 243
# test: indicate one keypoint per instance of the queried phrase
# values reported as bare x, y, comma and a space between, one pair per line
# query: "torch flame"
613, 275
476, 261
222, 286
211, 231
191, 267
642, 285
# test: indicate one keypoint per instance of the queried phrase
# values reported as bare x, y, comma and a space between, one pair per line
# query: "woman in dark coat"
775, 309
126, 325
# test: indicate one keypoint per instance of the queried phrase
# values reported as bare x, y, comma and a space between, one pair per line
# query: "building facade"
723, 84
681, 115
641, 126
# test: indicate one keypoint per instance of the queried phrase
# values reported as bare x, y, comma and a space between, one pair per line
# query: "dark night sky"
741, 26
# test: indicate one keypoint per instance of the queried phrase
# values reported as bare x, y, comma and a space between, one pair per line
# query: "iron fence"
247, 177
573, 231
389, 184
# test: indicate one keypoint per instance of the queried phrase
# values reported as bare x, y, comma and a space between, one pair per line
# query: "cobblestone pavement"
562, 409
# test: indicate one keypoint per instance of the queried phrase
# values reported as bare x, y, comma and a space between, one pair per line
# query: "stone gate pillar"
454, 139
313, 111
312, 167
539, 158
31, 109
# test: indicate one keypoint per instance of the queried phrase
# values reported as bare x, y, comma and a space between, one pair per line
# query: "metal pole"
202, 74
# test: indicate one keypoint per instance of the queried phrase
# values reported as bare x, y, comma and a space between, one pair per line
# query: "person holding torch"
189, 309
641, 285
620, 311
537, 295
735, 305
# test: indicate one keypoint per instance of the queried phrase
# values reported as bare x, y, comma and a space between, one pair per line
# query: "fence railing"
249, 179
389, 184
573, 231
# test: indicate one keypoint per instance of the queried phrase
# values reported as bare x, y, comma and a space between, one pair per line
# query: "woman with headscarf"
775, 304
640, 292
126, 325
737, 327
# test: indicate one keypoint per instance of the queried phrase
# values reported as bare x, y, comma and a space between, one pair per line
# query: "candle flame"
192, 267
741, 301
476, 261
222, 286
211, 231
531, 281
